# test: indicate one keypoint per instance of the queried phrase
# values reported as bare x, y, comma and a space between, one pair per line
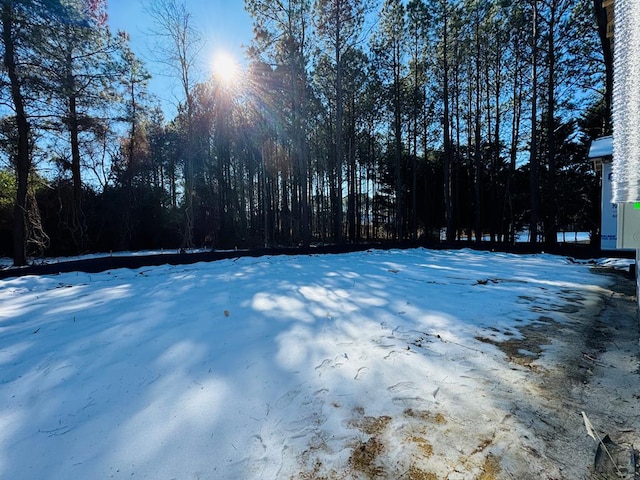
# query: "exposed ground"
533, 427
382, 365
593, 367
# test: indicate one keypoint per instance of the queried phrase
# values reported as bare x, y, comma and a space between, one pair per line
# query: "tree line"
352, 121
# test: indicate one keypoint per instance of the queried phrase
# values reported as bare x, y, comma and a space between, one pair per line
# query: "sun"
226, 68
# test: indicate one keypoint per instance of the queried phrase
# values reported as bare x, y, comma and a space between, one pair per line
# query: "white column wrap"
626, 102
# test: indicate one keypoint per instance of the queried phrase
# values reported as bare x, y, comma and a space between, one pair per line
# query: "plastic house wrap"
626, 122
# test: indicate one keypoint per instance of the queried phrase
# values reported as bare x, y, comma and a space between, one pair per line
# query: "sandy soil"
594, 368
530, 423
590, 364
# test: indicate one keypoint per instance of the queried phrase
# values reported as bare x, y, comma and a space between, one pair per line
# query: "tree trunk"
397, 133
607, 52
551, 230
77, 227
477, 156
533, 158
495, 166
23, 157
337, 200
448, 160
351, 177
515, 136
300, 121
77, 220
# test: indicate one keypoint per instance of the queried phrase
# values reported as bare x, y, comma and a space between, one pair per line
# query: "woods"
351, 121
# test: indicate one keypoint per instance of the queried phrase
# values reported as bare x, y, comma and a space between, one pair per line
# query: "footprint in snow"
409, 402
322, 392
300, 426
286, 399
402, 387
362, 371
326, 363
258, 445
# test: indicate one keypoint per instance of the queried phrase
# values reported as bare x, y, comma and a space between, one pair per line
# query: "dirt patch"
414, 473
364, 458
580, 355
594, 356
490, 468
524, 351
423, 445
426, 415
371, 425
314, 474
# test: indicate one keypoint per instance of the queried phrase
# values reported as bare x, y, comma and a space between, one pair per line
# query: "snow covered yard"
381, 364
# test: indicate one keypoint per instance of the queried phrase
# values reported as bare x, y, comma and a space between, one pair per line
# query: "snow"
601, 147
273, 367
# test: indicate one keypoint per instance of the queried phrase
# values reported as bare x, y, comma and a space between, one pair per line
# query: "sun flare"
226, 68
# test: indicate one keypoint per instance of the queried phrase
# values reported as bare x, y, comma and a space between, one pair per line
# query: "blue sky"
224, 24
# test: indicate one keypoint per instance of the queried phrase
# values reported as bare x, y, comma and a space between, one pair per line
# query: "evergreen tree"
340, 28
24, 26
389, 50
79, 70
281, 42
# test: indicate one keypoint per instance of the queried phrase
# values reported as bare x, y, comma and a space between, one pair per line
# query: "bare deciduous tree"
178, 46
